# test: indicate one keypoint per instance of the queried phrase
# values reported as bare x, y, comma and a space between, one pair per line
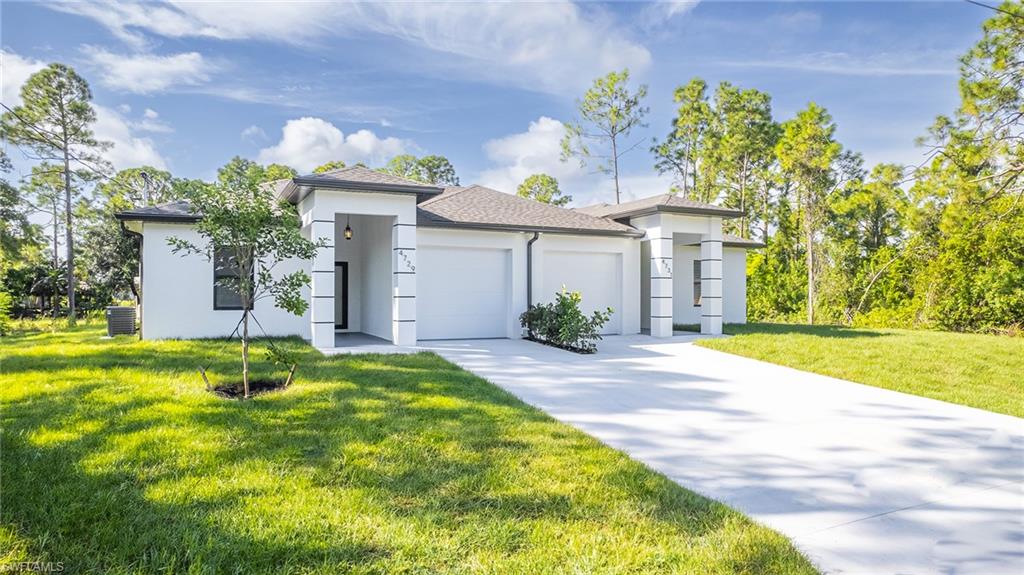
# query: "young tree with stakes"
246, 233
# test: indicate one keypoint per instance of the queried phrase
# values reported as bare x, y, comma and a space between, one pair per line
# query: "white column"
322, 288
403, 283
661, 283
711, 280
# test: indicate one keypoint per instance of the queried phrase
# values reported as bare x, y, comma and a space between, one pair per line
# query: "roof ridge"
335, 170
446, 194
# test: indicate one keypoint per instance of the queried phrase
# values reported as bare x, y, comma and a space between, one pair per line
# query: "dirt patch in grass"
236, 390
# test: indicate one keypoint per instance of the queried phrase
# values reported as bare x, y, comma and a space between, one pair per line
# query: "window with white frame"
226, 294
696, 283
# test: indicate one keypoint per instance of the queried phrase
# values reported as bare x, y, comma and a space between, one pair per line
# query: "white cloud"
129, 150
14, 71
538, 150
147, 73
556, 47
151, 122
657, 13
632, 186
254, 134
842, 63
535, 151
126, 20
309, 142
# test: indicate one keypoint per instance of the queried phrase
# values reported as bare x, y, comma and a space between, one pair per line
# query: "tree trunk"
743, 199
810, 275
764, 219
54, 300
615, 169
245, 352
686, 172
70, 240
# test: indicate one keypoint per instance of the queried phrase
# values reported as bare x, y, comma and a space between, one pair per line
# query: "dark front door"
341, 278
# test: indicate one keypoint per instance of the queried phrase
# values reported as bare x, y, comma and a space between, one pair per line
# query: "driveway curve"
864, 480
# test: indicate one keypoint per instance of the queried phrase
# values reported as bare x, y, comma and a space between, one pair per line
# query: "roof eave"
542, 229
744, 245
299, 187
164, 218
723, 212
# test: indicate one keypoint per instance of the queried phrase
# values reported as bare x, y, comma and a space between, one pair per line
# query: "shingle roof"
484, 208
732, 241
365, 175
671, 203
179, 211
354, 178
474, 207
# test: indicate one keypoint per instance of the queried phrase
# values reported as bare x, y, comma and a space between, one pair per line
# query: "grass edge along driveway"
976, 370
115, 460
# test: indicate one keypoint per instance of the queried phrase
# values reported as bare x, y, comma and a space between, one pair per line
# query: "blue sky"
186, 86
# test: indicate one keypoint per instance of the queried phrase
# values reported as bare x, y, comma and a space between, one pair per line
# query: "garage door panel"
463, 292
596, 275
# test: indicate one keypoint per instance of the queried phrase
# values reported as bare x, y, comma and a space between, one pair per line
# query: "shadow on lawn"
122, 476
73, 509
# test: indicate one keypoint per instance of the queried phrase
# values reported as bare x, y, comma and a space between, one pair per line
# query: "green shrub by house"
562, 323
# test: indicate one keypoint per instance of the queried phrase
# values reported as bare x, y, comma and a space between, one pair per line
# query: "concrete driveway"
864, 480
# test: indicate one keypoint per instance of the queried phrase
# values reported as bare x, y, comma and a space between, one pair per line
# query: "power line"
995, 8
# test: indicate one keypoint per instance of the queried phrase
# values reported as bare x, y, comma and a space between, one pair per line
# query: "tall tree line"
938, 245
63, 250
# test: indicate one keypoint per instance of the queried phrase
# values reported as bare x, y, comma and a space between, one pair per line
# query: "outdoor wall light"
348, 228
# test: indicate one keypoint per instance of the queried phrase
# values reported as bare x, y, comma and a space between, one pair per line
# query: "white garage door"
597, 276
462, 293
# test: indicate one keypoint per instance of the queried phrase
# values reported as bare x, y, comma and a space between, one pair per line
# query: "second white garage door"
597, 276
462, 293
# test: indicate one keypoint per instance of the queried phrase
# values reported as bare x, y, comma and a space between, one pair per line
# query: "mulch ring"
236, 390
578, 350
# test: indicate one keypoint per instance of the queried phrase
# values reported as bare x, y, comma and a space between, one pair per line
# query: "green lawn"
115, 460
985, 371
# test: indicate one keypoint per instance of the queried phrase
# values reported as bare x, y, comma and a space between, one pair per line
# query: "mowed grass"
984, 371
116, 460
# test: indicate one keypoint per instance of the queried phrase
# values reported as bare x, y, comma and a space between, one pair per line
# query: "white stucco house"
429, 263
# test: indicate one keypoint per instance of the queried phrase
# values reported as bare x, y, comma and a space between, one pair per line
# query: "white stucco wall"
177, 292
514, 243
350, 251
584, 264
375, 277
387, 249
734, 285
558, 259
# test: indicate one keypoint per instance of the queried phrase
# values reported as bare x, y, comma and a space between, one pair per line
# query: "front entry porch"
659, 272
364, 278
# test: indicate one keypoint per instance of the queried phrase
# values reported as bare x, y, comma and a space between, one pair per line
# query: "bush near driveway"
116, 460
563, 324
